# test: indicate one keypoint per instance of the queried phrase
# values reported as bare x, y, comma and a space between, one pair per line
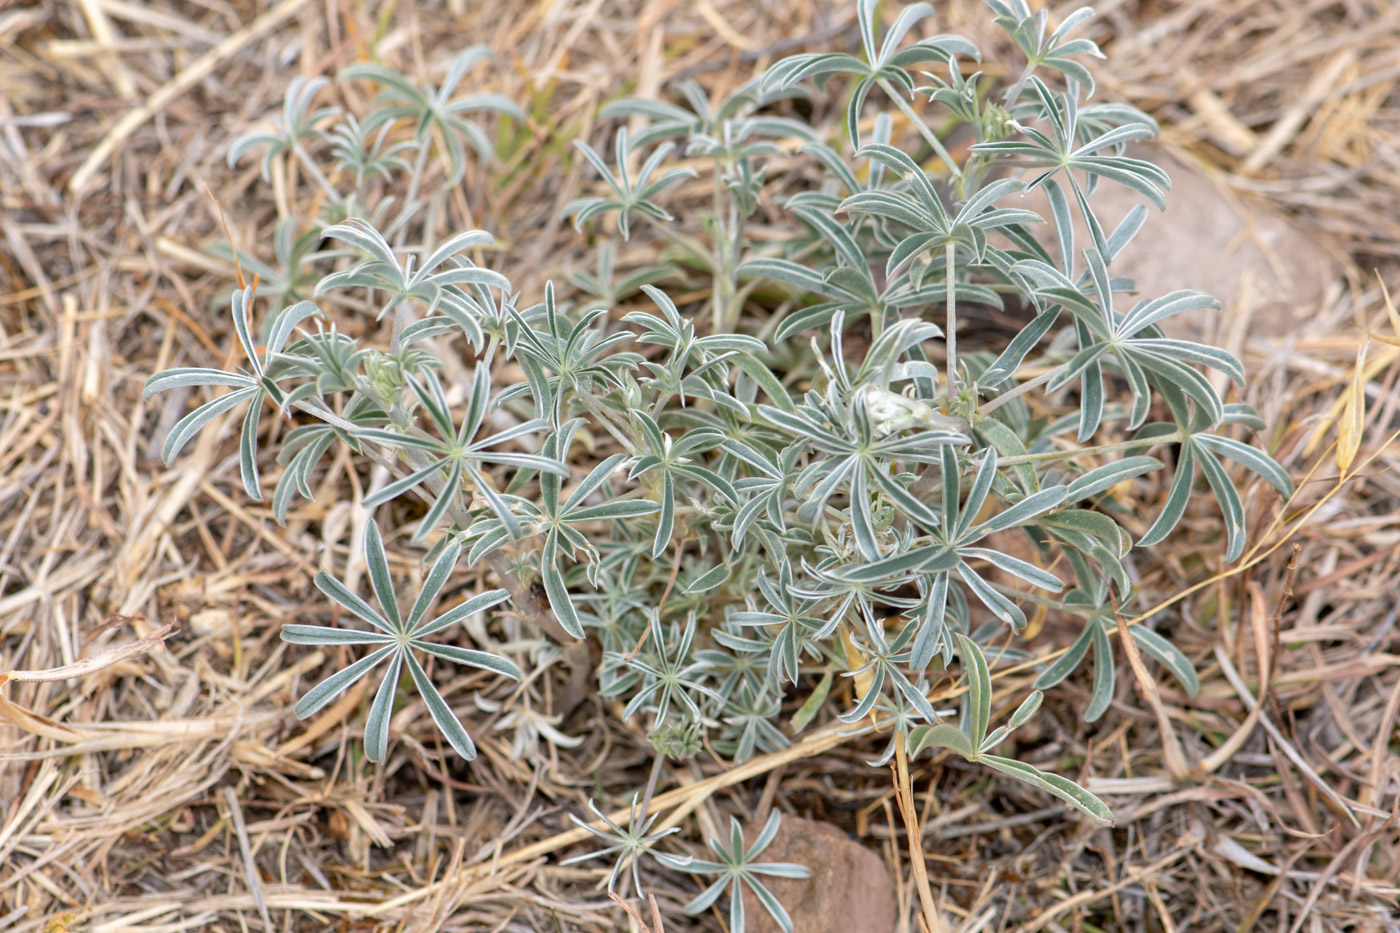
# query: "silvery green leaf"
443, 501
994, 738
941, 736
286, 322
710, 579
1026, 710
1000, 606
666, 521
861, 522
979, 690
1148, 313
433, 583
1170, 657
1068, 791
1213, 357
248, 452
977, 497
341, 594
324, 635
1231, 508
377, 725
622, 508
321, 694
190, 425
1102, 694
378, 563
1250, 457
1177, 498
481, 659
194, 376
447, 721
461, 612
1067, 662
557, 591
1109, 475
1016, 567
891, 567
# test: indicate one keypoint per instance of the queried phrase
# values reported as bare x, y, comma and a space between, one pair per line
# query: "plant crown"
765, 467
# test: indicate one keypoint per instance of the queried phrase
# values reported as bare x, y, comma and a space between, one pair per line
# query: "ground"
174, 790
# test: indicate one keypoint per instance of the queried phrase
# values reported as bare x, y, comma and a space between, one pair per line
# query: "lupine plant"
780, 479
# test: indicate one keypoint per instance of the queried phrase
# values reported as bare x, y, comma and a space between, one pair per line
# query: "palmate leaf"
555, 517
298, 124
952, 540
434, 282
1200, 449
253, 389
921, 209
565, 358
1064, 151
972, 743
858, 458
1054, 50
628, 195
436, 109
737, 868
884, 62
795, 624
627, 845
367, 155
455, 456
398, 640
1133, 344
885, 663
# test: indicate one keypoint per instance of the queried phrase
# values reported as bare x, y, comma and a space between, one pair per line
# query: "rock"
849, 888
1258, 262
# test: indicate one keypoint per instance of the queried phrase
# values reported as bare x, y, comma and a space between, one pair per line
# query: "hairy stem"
1021, 389
951, 333
929, 137
1075, 454
598, 411
928, 479
1015, 90
656, 766
311, 169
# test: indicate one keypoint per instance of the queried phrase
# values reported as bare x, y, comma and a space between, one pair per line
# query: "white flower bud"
891, 412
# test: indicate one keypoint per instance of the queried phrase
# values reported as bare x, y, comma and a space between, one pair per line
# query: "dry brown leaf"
1353, 415
92, 665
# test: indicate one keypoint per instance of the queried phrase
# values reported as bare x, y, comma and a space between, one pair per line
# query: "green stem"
420, 165
1015, 90
656, 766
315, 172
1021, 389
1171, 438
951, 334
597, 411
922, 127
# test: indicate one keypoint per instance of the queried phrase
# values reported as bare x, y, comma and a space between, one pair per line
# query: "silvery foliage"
799, 475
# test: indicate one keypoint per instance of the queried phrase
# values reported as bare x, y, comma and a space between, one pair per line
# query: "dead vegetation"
156, 779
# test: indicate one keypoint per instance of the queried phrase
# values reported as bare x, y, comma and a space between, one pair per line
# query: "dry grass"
173, 790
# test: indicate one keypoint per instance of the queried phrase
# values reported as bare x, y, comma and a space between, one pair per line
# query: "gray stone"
1258, 262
